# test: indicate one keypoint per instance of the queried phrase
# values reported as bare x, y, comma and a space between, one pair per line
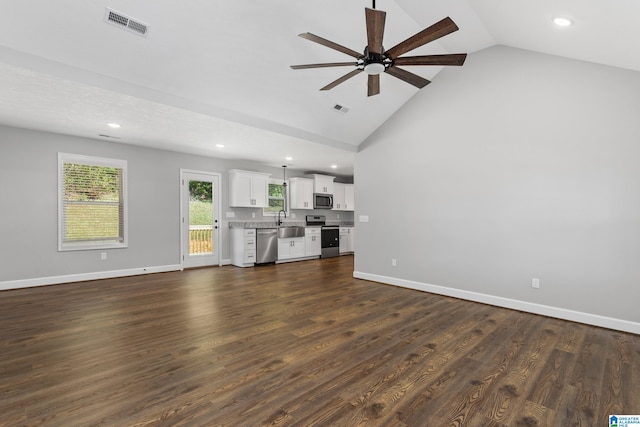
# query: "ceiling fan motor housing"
374, 63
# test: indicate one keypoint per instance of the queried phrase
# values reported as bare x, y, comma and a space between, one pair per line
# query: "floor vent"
341, 108
126, 22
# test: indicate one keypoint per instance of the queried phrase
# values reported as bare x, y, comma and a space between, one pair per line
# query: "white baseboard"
225, 262
545, 310
82, 277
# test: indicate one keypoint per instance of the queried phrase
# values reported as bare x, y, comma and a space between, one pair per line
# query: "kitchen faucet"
280, 221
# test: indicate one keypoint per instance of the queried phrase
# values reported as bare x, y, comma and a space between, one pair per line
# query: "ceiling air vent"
126, 22
108, 136
341, 108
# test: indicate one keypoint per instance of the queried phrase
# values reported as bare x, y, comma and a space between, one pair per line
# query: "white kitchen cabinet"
243, 247
349, 197
338, 196
323, 184
346, 240
313, 242
291, 248
343, 197
248, 189
301, 193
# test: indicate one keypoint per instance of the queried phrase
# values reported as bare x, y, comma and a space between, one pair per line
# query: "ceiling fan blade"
408, 77
452, 59
373, 86
375, 29
332, 45
342, 79
434, 32
328, 64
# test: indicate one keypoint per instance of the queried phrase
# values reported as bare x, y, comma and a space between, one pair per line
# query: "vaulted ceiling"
212, 72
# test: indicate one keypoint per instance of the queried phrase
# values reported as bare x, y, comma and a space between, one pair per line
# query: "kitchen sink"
287, 232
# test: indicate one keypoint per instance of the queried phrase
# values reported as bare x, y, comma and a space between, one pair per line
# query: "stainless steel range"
329, 236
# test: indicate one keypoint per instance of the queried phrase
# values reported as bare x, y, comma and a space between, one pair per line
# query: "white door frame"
217, 201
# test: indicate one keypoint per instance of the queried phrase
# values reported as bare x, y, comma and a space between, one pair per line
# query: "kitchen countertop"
272, 224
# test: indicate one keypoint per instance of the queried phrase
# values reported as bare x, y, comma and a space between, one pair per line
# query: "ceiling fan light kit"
375, 60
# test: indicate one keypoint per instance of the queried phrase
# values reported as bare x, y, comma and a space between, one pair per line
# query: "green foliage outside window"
92, 203
276, 199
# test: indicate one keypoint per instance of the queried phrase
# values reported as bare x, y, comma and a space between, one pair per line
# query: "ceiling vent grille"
341, 108
108, 136
126, 22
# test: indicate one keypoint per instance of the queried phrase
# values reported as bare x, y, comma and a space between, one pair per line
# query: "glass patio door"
200, 199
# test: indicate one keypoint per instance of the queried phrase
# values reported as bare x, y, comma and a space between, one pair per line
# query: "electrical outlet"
103, 256
338, 216
535, 283
253, 214
394, 263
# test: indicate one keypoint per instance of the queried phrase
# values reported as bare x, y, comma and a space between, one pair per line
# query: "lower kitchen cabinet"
347, 236
291, 248
243, 247
313, 242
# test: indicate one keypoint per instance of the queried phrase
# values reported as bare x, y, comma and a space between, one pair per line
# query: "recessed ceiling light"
113, 125
288, 158
562, 22
220, 145
334, 166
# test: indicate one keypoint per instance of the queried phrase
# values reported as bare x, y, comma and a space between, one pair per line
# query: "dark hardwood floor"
298, 344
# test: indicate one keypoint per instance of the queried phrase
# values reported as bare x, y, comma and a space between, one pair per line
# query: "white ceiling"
217, 72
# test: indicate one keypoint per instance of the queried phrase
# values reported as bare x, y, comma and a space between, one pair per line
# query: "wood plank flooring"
301, 344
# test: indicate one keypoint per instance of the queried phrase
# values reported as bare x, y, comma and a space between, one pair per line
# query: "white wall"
516, 165
29, 207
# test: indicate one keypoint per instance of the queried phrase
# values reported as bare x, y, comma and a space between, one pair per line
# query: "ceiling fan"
376, 60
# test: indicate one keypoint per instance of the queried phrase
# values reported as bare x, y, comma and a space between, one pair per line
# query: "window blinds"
93, 203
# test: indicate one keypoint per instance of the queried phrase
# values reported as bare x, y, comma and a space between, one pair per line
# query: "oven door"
330, 239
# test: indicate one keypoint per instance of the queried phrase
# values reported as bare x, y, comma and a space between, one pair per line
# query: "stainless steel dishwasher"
266, 245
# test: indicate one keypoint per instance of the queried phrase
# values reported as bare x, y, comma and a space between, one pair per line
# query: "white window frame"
91, 161
286, 197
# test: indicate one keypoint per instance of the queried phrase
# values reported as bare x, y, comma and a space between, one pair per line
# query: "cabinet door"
301, 196
284, 248
338, 196
307, 193
349, 197
297, 247
260, 191
240, 191
313, 245
343, 240
351, 239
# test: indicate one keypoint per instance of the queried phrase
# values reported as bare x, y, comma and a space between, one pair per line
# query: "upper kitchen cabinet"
301, 193
343, 197
338, 196
349, 197
323, 184
248, 189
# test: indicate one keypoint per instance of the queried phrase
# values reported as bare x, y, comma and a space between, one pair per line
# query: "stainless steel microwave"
322, 201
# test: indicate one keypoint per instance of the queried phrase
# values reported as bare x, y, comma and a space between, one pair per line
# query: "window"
92, 208
277, 195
